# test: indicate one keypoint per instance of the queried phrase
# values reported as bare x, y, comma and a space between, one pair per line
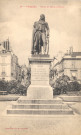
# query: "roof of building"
70, 57
74, 54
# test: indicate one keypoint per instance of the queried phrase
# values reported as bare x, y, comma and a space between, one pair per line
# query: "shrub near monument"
12, 87
63, 85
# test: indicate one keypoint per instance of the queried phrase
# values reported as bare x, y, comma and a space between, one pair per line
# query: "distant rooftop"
71, 53
74, 54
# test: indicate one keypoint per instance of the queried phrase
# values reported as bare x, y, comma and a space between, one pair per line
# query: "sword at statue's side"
47, 44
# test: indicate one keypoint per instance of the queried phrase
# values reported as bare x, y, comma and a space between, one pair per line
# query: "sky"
63, 17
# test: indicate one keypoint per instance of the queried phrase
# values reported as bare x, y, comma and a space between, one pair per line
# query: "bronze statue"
40, 36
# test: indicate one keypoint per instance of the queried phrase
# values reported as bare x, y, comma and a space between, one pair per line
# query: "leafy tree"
3, 85
63, 85
74, 86
60, 86
12, 87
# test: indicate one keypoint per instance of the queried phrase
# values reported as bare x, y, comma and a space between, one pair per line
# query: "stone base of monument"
34, 107
39, 99
40, 68
40, 92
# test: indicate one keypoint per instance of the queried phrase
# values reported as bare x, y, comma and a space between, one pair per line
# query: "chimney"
4, 44
71, 50
8, 45
67, 52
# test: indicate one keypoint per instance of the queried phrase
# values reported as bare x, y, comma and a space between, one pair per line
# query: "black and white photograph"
40, 67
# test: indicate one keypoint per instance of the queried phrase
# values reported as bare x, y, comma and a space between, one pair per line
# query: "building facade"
9, 67
69, 65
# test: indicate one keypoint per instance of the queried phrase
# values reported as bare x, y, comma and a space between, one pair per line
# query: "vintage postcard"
40, 67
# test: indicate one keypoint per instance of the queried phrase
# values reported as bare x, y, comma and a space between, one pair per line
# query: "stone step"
39, 101
25, 106
40, 112
39, 106
71, 98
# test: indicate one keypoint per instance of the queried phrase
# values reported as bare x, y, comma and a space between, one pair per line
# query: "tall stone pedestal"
40, 88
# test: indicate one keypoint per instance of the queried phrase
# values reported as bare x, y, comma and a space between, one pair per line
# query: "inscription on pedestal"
40, 74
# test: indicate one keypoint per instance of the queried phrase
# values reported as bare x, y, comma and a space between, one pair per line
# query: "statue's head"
42, 17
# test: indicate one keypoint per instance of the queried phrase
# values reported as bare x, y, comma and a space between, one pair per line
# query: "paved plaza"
42, 125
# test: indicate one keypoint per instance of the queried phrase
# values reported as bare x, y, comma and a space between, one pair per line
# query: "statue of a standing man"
40, 36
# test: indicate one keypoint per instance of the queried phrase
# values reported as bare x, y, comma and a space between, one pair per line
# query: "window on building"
3, 78
3, 71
